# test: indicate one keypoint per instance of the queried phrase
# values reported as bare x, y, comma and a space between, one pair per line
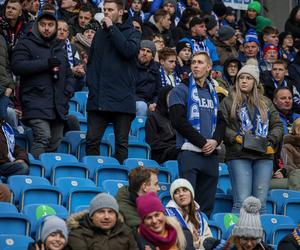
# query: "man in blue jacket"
46, 83
110, 79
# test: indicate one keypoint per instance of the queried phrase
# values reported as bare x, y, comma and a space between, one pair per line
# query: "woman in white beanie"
252, 136
54, 235
187, 211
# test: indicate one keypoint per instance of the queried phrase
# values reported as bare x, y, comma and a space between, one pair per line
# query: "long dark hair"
192, 213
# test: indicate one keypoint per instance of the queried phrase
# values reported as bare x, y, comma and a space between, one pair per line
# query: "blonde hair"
255, 99
181, 241
296, 127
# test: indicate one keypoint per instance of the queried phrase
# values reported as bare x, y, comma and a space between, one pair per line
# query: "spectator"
111, 84
159, 42
200, 129
147, 77
293, 24
247, 112
167, 60
187, 211
225, 44
288, 176
212, 27
294, 70
135, 10
160, 134
250, 47
100, 228
230, 18
184, 54
54, 235
80, 21
137, 24
291, 241
270, 55
69, 9
219, 11
5, 194
157, 231
170, 6
248, 233
270, 35
141, 181
287, 51
249, 20
40, 61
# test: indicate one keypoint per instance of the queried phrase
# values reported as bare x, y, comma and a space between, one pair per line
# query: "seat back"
6, 207
13, 241
112, 186
110, 172
223, 204
11, 223
225, 220
291, 208
280, 196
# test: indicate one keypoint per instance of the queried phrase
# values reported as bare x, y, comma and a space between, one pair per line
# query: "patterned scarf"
70, 53
10, 140
140, 14
165, 82
277, 85
194, 101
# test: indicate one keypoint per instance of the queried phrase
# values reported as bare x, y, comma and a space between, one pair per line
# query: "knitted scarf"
10, 140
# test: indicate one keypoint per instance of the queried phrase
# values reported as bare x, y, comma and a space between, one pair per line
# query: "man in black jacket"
111, 81
46, 83
200, 129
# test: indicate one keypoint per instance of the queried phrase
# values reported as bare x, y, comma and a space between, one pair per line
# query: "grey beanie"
53, 224
249, 224
149, 45
226, 32
173, 2
251, 68
103, 200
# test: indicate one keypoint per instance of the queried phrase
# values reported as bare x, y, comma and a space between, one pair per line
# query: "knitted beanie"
4, 193
219, 9
269, 46
251, 36
250, 68
173, 2
249, 224
149, 45
148, 203
283, 35
226, 32
103, 200
210, 22
255, 5
262, 22
181, 183
183, 43
53, 224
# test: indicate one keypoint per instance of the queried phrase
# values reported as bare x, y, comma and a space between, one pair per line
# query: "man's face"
104, 218
89, 34
137, 26
34, 6
170, 8
271, 55
84, 18
232, 69
152, 185
251, 49
230, 18
199, 29
13, 11
68, 4
278, 72
145, 56
62, 30
283, 100
169, 64
46, 27
166, 22
136, 5
214, 31
185, 54
200, 66
232, 40
112, 11
271, 38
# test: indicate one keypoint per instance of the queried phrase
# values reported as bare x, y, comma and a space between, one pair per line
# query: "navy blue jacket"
111, 67
41, 97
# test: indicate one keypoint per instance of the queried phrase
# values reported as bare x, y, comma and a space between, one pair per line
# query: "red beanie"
148, 203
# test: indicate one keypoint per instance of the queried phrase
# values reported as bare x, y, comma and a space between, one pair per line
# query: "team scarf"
70, 53
276, 83
257, 126
42, 3
173, 211
140, 14
296, 234
180, 7
199, 46
10, 140
164, 81
194, 103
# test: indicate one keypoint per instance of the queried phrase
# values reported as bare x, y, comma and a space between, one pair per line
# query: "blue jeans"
141, 108
13, 168
250, 178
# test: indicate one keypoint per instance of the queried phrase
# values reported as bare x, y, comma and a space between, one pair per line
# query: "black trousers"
97, 123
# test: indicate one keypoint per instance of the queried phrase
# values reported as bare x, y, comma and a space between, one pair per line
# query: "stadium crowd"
212, 88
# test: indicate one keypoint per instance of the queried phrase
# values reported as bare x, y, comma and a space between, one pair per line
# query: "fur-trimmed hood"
292, 139
73, 221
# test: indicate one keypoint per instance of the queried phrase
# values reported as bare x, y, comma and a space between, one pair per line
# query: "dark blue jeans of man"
98, 122
202, 172
14, 168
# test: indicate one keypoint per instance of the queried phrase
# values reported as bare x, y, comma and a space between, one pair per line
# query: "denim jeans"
250, 178
141, 108
13, 168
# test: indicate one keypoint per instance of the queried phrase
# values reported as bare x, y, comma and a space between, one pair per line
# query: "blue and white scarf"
276, 83
194, 103
70, 53
257, 126
165, 82
42, 3
199, 46
172, 211
141, 14
10, 140
180, 7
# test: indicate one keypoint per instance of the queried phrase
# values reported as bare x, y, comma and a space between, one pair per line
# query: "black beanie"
181, 45
219, 9
210, 22
195, 21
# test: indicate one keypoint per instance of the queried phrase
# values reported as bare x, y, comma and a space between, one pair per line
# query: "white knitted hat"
181, 183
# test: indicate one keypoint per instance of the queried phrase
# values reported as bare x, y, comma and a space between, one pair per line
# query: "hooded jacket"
84, 235
226, 81
291, 152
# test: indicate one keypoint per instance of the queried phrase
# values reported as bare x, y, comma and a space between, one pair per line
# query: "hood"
73, 221
162, 105
38, 36
226, 63
292, 139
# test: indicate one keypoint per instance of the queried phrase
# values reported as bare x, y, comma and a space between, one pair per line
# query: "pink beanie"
148, 203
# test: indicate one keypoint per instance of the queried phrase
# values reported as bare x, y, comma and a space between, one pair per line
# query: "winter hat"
283, 35
230, 11
249, 224
269, 46
261, 23
251, 36
219, 9
103, 200
195, 21
255, 5
147, 204
183, 43
4, 193
91, 26
251, 68
53, 224
173, 2
181, 183
149, 45
210, 22
226, 32
47, 15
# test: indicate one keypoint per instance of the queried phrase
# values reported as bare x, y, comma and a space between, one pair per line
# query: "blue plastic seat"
172, 167
92, 162
66, 184
225, 221
50, 159
105, 148
164, 187
224, 182
81, 97
14, 223
13, 241
215, 229
74, 105
110, 172
112, 186
223, 204
165, 197
138, 127
36, 168
64, 147
74, 138
38, 211
81, 119
6, 207
81, 196
280, 196
18, 183
291, 208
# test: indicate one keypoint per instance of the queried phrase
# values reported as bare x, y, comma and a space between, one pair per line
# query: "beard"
49, 38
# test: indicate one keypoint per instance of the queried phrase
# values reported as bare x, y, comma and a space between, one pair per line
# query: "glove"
239, 139
53, 62
270, 150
